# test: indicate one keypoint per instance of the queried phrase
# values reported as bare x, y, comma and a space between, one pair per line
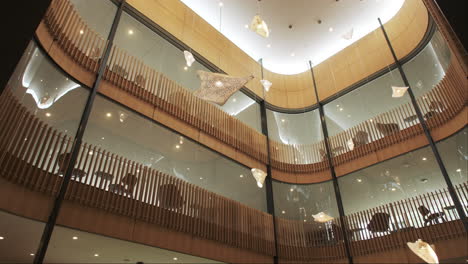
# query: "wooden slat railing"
299, 240
33, 154
130, 74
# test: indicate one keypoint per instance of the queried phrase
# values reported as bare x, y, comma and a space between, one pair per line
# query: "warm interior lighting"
330, 29
219, 84
398, 91
175, 258
177, 146
81, 32
259, 26
458, 170
109, 114
266, 84
221, 4
283, 212
96, 255
189, 59
424, 158
234, 100
130, 32
322, 217
424, 251
259, 176
48, 114
268, 45
1, 238
242, 176
359, 180
122, 117
217, 87
185, 68
75, 238
31, 254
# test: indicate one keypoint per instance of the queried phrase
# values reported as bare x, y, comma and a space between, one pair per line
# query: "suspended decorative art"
259, 26
349, 35
424, 251
398, 91
189, 59
217, 88
259, 176
322, 217
266, 84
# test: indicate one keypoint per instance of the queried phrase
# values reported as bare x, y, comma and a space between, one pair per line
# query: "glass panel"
73, 246
98, 15
156, 52
303, 128
301, 201
42, 108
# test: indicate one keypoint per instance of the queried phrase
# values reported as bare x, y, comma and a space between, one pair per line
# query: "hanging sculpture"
189, 59
259, 176
424, 251
259, 26
349, 35
350, 144
398, 91
322, 217
217, 88
266, 84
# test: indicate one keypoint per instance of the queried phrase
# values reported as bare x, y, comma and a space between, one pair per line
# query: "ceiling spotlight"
293, 54
246, 26
31, 254
234, 100
185, 68
130, 32
393, 189
242, 176
81, 32
175, 258
291, 190
359, 180
109, 114
341, 109
221, 4
424, 158
330, 29
75, 238
201, 178
48, 114
283, 212
268, 45
177, 146
283, 120
96, 255
458, 170
1, 238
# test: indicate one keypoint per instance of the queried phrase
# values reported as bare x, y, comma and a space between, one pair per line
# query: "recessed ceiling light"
234, 100
1, 238
371, 120
177, 146
81, 31
102, 138
293, 54
201, 178
393, 189
188, 169
283, 120
185, 68
283, 212
31, 254
458, 170
42, 80
330, 29
175, 258
130, 32
291, 190
48, 114
242, 176
341, 109
359, 180
268, 45
424, 158
96, 255
246, 26
75, 238
109, 114
181, 142
221, 4
305, 220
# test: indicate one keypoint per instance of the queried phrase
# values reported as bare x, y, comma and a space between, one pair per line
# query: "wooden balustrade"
130, 74
36, 155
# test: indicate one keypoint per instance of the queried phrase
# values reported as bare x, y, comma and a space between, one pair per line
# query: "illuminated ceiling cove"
300, 30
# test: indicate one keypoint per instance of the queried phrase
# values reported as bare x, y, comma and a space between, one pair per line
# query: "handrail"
130, 74
34, 154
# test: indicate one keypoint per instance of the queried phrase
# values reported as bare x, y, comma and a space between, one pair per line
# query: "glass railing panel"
97, 15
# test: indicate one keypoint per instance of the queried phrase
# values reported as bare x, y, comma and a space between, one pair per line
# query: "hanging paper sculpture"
259, 176
322, 217
217, 88
266, 84
424, 251
259, 26
348, 35
398, 91
350, 144
189, 59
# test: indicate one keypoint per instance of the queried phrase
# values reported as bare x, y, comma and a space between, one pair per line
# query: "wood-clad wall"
361, 59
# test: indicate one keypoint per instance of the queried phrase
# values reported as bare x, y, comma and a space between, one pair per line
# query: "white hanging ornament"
350, 144
424, 251
349, 35
259, 26
322, 217
259, 176
266, 84
398, 91
189, 59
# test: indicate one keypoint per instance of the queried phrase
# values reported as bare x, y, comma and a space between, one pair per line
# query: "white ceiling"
307, 39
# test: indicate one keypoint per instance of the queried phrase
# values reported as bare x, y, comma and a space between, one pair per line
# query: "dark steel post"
423, 123
336, 186
49, 228
268, 180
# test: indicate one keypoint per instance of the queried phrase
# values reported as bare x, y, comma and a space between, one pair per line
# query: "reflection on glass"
156, 52
98, 15
159, 148
301, 201
302, 128
454, 153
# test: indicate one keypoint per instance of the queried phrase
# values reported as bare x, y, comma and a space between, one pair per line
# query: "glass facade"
155, 174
